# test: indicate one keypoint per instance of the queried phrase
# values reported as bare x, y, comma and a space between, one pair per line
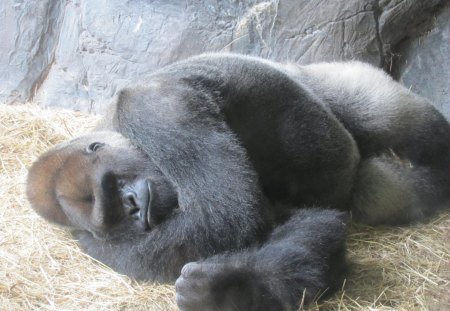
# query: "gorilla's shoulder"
218, 64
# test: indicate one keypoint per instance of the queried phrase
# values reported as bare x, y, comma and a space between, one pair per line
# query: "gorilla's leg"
390, 190
303, 259
403, 141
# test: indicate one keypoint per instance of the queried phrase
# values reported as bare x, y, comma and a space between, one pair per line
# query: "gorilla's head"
100, 183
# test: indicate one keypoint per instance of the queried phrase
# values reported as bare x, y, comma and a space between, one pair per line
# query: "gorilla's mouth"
147, 209
137, 200
157, 203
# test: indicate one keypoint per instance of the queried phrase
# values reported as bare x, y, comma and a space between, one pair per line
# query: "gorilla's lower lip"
149, 204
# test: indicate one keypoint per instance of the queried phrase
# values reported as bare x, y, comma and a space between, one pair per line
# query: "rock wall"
423, 60
78, 53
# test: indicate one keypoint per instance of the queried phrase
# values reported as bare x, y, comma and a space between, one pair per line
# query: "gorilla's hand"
303, 259
216, 286
193, 287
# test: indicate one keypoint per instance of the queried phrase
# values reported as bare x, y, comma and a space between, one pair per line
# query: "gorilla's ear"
41, 187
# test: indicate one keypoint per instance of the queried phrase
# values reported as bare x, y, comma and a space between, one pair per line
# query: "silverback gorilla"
203, 167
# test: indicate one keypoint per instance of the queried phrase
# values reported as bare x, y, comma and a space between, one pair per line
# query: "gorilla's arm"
303, 260
220, 204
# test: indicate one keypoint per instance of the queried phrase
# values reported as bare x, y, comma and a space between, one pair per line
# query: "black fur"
242, 141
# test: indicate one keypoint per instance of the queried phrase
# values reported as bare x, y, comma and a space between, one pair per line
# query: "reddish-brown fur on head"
41, 183
59, 184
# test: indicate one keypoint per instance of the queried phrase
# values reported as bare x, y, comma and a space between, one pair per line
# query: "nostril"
131, 198
131, 203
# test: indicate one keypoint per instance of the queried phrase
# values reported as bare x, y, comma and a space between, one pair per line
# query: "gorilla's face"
100, 183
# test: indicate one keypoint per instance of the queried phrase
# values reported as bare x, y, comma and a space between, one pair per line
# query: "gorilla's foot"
395, 191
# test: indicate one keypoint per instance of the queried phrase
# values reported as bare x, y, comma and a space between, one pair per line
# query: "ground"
42, 268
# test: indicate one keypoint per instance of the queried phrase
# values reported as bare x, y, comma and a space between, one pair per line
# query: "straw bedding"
42, 268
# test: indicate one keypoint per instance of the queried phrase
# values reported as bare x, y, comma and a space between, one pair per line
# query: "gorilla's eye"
94, 147
88, 199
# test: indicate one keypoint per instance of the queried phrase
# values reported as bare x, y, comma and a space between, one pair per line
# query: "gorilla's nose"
131, 203
136, 198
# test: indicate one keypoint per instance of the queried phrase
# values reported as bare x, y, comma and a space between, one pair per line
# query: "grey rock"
28, 37
310, 31
401, 17
424, 62
78, 54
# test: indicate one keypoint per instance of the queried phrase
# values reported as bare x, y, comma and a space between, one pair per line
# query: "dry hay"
41, 267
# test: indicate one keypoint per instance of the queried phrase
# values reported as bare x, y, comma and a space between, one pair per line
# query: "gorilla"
231, 175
